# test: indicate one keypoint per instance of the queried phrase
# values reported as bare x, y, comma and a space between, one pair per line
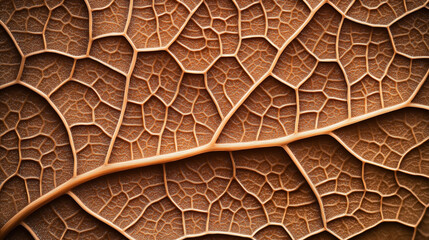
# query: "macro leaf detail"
214, 119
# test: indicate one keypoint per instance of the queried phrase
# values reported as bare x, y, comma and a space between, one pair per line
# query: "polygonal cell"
411, 34
144, 210
209, 190
198, 182
228, 83
417, 160
295, 64
320, 35
381, 13
192, 117
153, 86
26, 21
157, 74
76, 102
133, 141
108, 18
10, 58
322, 98
270, 175
195, 222
224, 20
198, 45
236, 211
284, 19
253, 21
123, 198
155, 24
365, 96
91, 145
160, 220
94, 95
209, 73
364, 50
91, 103
256, 55
410, 200
333, 171
63, 218
35, 153
67, 29
355, 194
342, 5
402, 79
47, 71
268, 113
114, 51
189, 121
387, 139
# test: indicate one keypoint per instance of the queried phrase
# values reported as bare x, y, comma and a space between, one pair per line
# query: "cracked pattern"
355, 195
64, 219
397, 141
35, 151
268, 112
10, 59
108, 17
156, 24
232, 192
292, 119
319, 36
411, 34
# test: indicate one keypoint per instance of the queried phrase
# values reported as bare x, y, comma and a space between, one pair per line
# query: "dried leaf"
232, 119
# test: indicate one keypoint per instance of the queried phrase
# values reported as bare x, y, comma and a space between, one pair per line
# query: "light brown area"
214, 119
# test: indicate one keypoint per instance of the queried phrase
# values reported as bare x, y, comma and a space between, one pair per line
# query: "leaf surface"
232, 119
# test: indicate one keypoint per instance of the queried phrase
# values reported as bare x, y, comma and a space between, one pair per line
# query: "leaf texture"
204, 119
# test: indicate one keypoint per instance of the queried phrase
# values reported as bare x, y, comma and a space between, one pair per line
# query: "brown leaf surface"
357, 195
35, 153
231, 119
